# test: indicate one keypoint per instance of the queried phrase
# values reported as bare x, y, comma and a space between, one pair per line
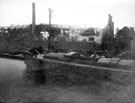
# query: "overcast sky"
92, 13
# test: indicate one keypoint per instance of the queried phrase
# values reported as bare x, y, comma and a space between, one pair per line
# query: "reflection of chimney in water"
33, 20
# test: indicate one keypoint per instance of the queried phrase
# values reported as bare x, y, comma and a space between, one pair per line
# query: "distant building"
96, 36
62, 37
67, 32
83, 38
45, 35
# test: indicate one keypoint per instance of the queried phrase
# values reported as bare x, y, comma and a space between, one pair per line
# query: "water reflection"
34, 71
37, 76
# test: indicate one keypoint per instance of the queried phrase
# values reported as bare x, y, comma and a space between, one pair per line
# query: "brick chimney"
33, 20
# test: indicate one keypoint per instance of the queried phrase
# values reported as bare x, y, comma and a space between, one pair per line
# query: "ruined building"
109, 29
108, 35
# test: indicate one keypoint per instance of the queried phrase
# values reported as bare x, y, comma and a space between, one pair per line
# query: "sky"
83, 13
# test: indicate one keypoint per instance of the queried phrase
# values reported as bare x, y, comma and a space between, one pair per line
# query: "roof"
56, 55
70, 53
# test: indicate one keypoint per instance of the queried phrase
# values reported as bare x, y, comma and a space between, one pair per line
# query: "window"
91, 39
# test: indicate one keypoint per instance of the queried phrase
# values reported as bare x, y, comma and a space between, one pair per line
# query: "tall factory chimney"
110, 25
33, 20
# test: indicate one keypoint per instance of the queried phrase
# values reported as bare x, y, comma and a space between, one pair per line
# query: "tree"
122, 38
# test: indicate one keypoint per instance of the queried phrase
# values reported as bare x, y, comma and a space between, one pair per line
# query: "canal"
15, 88
11, 79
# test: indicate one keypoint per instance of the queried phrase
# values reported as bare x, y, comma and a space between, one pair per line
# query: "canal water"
11, 78
17, 84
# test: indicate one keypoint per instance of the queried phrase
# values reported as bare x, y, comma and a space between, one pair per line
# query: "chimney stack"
33, 20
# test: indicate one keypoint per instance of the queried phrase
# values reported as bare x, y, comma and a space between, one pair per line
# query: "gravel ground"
15, 89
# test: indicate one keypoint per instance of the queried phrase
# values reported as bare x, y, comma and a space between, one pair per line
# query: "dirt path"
91, 66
